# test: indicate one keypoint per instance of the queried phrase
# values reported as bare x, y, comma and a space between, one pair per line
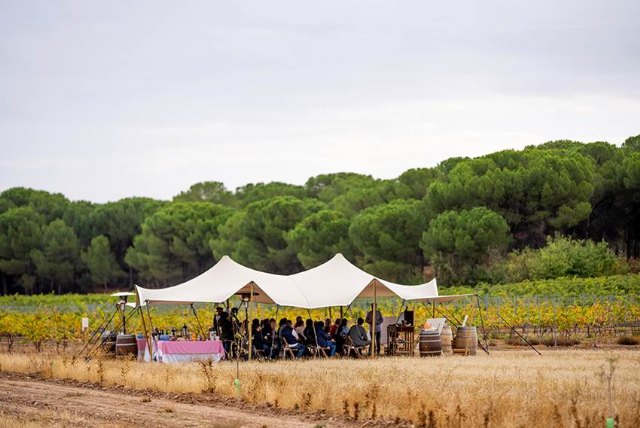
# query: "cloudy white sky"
103, 100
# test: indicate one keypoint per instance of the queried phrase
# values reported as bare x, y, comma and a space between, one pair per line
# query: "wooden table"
400, 340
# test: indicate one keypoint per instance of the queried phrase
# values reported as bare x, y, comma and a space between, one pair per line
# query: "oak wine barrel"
108, 342
430, 344
466, 340
446, 337
126, 345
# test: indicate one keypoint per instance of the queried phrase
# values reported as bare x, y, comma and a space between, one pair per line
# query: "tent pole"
249, 324
349, 309
400, 313
198, 321
149, 344
341, 314
144, 327
374, 319
315, 336
273, 333
484, 331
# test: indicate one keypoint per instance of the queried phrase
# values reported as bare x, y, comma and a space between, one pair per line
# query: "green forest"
559, 209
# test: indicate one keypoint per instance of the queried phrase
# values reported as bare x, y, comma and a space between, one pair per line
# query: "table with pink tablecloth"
183, 351
143, 350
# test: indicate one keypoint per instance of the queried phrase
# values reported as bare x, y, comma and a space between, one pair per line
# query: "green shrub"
561, 257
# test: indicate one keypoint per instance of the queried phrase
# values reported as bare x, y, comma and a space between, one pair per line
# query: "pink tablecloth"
143, 351
186, 347
180, 351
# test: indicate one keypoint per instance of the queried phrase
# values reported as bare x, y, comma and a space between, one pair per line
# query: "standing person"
235, 321
378, 327
216, 320
226, 331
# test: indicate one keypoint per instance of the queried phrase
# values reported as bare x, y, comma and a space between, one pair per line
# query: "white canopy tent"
338, 283
335, 283
222, 281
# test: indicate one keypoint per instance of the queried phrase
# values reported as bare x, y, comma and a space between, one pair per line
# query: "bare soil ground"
26, 401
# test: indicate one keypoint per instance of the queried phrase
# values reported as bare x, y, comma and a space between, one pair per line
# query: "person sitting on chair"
258, 340
334, 328
324, 340
287, 334
341, 334
299, 331
309, 333
358, 335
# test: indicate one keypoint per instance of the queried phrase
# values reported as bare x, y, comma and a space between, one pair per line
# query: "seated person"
334, 328
324, 340
287, 334
299, 331
341, 334
258, 339
309, 333
358, 334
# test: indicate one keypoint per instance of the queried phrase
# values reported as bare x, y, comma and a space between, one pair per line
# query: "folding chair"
286, 348
349, 347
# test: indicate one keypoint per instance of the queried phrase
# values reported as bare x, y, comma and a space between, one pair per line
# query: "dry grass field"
507, 388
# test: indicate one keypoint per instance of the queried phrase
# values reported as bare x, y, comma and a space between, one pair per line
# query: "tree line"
562, 208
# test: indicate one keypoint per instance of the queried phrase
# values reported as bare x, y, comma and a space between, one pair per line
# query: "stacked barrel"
466, 341
434, 344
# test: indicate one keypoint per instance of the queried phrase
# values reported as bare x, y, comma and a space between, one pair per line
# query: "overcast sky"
104, 100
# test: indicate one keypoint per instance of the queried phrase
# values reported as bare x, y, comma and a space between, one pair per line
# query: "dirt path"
31, 401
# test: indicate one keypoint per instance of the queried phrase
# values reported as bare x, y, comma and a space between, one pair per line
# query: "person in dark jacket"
341, 335
294, 345
258, 339
324, 340
309, 333
226, 331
